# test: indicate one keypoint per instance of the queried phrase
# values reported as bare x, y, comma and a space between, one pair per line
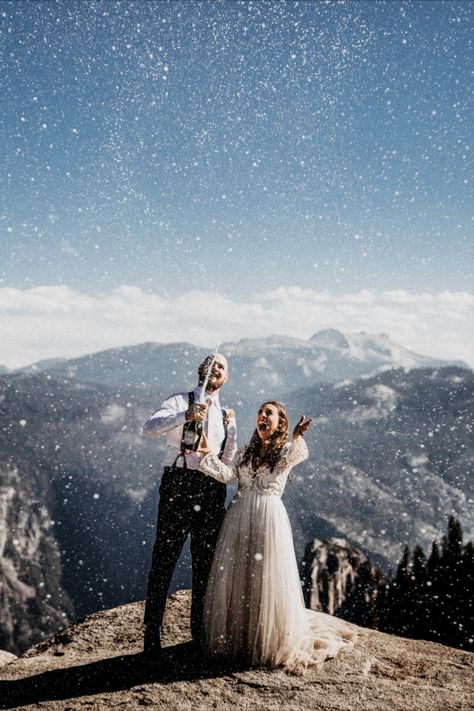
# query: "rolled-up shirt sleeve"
169, 416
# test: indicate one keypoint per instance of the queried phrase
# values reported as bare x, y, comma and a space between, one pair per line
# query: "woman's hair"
254, 453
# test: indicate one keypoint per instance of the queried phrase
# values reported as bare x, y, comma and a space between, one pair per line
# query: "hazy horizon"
56, 322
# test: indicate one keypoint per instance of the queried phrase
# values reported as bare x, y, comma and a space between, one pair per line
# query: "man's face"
218, 375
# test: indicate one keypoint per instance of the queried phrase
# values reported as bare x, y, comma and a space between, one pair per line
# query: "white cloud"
56, 321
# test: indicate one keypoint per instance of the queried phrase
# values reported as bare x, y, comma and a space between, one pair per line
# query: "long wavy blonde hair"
254, 452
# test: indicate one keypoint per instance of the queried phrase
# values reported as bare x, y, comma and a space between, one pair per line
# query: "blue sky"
236, 147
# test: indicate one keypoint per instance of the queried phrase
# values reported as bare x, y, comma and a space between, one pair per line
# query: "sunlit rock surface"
6, 658
97, 664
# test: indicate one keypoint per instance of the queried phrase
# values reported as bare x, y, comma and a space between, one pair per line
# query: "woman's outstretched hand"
300, 428
203, 446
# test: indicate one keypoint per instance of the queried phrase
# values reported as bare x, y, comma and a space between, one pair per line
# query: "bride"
254, 609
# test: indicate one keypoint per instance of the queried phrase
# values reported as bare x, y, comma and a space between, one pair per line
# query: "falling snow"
203, 128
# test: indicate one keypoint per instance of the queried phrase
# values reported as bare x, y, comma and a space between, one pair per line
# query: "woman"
254, 609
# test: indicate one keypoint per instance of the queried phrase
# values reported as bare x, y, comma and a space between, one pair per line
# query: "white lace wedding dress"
254, 608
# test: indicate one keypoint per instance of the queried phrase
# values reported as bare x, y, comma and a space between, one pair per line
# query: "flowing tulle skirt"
254, 608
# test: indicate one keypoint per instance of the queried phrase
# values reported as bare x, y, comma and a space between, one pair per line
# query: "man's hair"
204, 366
279, 438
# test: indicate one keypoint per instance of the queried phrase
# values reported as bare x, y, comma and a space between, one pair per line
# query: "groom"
189, 502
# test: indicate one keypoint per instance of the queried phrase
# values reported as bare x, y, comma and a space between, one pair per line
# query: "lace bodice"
263, 480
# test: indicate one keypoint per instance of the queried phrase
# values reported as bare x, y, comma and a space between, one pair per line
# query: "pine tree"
453, 549
381, 602
403, 597
433, 562
434, 630
467, 596
450, 588
434, 598
419, 577
384, 603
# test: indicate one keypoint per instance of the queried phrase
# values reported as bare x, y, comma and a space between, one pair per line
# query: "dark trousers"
190, 502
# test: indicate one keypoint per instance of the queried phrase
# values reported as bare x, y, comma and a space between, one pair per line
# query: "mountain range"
277, 364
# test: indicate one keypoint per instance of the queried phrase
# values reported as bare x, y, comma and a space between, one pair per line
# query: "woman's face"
267, 421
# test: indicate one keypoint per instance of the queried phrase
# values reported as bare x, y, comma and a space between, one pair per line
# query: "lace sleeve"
293, 453
211, 465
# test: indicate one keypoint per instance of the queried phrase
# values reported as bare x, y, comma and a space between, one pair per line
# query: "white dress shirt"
169, 420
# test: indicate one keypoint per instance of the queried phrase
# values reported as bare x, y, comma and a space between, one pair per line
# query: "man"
190, 502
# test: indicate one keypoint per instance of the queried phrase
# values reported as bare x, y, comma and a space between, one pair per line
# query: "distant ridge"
273, 365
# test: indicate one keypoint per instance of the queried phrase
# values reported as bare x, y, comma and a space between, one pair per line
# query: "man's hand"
300, 428
203, 446
196, 412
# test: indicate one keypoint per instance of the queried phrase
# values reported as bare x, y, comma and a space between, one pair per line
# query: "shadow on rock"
178, 663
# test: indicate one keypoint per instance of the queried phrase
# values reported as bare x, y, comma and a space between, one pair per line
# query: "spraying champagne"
193, 429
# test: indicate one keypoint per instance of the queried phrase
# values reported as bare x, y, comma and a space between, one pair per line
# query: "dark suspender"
182, 451
226, 430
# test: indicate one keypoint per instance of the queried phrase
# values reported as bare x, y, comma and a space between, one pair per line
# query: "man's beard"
212, 385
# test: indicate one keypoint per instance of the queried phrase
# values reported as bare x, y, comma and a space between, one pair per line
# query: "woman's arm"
296, 451
211, 465
231, 443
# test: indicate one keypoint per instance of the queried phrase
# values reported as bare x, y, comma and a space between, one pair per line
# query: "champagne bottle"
192, 432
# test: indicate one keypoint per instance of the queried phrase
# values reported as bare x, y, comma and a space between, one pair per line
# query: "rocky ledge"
97, 664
